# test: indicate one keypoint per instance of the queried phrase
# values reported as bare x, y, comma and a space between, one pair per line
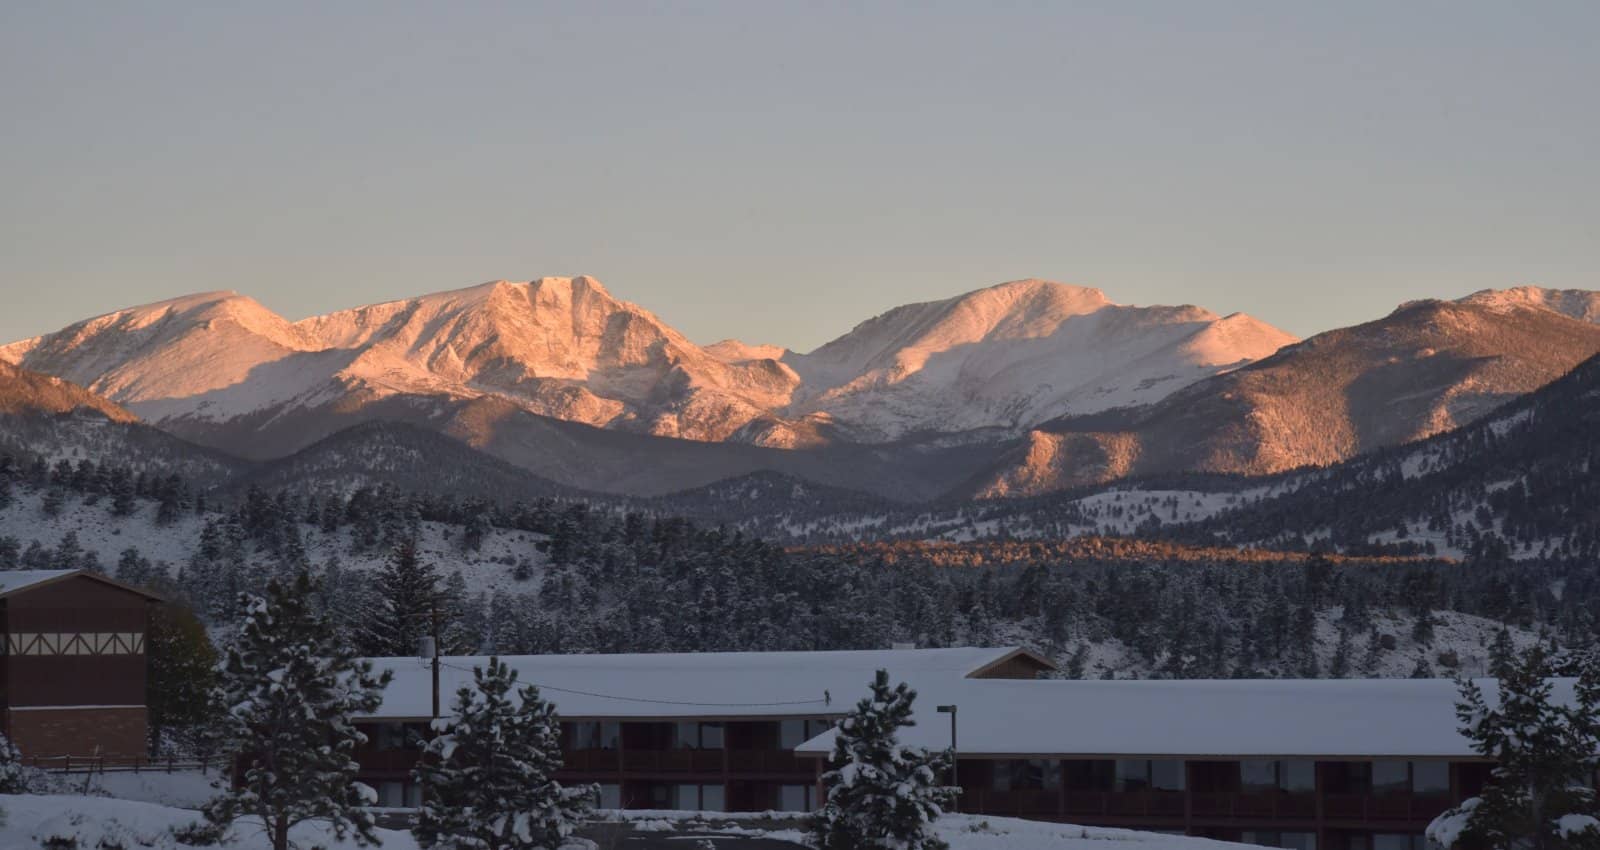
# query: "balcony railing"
1021, 803
1384, 807
1251, 805
672, 761
387, 761
1159, 804
768, 761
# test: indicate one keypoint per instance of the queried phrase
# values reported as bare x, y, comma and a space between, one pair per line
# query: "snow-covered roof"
699, 684
12, 581
1196, 718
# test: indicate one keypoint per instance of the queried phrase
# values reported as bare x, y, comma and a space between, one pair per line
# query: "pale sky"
779, 172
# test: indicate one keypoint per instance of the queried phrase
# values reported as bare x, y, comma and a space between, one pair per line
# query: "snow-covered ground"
183, 789
488, 569
101, 822
961, 832
127, 824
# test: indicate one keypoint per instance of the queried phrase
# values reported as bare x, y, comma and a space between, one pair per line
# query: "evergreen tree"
1339, 667
1540, 794
408, 600
182, 673
489, 772
291, 687
880, 794
52, 502
14, 778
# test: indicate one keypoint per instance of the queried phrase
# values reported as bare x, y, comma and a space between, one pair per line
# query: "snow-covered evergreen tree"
408, 594
14, 778
881, 794
489, 771
291, 686
1541, 793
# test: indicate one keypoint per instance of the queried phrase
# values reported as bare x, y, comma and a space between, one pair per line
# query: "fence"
121, 764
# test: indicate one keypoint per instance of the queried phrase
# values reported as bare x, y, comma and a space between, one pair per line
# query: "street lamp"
955, 780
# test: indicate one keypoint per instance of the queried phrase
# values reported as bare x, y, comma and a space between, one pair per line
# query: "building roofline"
1019, 652
70, 574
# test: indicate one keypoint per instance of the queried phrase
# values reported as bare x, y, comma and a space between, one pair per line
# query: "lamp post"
955, 776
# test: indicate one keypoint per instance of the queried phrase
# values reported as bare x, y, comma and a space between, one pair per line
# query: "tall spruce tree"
408, 598
489, 772
291, 686
1540, 795
880, 794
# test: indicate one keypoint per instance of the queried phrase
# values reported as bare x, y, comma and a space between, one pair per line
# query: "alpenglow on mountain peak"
221, 368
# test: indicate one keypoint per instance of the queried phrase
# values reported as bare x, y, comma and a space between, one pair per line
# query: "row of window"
688, 734
704, 798
683, 797
1296, 776
1308, 840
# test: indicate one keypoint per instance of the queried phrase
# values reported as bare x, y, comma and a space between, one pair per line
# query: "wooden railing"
1251, 804
1159, 804
672, 761
121, 764
1384, 807
768, 761
1022, 802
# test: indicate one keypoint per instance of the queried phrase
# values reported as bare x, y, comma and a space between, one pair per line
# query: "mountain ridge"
567, 349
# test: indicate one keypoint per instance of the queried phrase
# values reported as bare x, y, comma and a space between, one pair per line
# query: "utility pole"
955, 776
430, 651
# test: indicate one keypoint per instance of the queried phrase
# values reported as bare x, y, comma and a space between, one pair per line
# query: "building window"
592, 734
794, 731
610, 796
1295, 776
1286, 840
1431, 778
1081, 775
1258, 775
1027, 775
1399, 841
695, 735
1391, 777
698, 798
1149, 775
797, 798
1166, 775
393, 736
399, 795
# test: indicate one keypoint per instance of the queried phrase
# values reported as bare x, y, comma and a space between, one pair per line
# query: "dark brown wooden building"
713, 731
73, 670
1303, 765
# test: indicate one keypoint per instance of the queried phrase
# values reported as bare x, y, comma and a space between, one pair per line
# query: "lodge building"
1310, 765
72, 664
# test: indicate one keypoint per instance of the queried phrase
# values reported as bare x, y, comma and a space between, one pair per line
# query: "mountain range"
1023, 388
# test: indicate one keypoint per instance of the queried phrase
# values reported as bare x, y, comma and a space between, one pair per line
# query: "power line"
824, 701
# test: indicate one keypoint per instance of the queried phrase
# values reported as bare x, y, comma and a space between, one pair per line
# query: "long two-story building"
1330, 764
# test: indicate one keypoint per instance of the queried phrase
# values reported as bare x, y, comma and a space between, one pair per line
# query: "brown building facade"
73, 669
1307, 765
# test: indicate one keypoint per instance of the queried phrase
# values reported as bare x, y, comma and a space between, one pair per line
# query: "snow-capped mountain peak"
1009, 355
1016, 354
1581, 304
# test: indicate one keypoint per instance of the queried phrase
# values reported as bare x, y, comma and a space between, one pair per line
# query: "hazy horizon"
780, 173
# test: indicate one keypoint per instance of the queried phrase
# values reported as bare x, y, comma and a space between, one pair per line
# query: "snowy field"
962, 832
130, 825
99, 822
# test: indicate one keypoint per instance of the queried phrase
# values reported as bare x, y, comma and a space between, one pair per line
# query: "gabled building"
73, 666
1310, 765
713, 730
